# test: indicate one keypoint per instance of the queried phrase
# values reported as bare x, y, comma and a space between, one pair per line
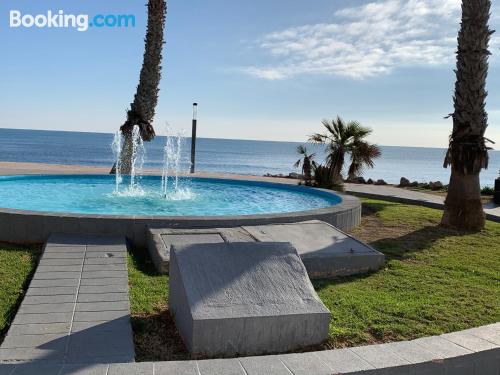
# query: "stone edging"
473, 351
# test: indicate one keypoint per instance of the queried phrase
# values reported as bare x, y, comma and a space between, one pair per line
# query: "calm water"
221, 155
97, 195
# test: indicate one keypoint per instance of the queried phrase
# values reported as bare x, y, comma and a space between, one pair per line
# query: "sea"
223, 155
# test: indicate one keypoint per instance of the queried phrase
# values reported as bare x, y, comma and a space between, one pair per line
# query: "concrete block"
244, 298
325, 250
220, 367
176, 368
379, 356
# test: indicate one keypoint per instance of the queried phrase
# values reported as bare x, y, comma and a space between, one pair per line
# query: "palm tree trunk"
142, 110
467, 153
463, 206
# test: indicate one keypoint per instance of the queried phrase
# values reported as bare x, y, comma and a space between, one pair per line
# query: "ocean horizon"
422, 164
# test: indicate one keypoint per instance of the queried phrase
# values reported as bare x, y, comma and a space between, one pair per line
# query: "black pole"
193, 137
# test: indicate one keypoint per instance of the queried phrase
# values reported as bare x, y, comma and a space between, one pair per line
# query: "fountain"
172, 165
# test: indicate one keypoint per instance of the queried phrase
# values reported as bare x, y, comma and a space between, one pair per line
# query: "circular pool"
33, 207
98, 194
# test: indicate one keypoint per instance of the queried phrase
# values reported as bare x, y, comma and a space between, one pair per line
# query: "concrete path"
76, 309
396, 194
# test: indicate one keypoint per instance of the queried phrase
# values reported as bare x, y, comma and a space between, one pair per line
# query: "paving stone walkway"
396, 194
76, 309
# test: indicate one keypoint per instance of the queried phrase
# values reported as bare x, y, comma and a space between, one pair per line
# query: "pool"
33, 207
97, 194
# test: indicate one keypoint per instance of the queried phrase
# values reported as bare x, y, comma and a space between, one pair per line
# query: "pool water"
91, 194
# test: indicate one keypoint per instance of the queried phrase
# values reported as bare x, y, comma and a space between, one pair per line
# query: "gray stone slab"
50, 283
105, 261
488, 333
412, 352
103, 326
105, 267
87, 316
32, 341
56, 275
246, 298
103, 306
46, 308
264, 365
131, 369
51, 269
106, 281
102, 274
42, 318
221, 367
102, 297
61, 298
60, 262
100, 289
160, 241
52, 291
176, 368
379, 356
343, 361
105, 255
469, 341
85, 369
37, 369
39, 329
441, 347
30, 354
305, 364
325, 250
74, 255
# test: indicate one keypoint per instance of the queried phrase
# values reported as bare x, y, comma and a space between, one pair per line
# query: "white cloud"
365, 41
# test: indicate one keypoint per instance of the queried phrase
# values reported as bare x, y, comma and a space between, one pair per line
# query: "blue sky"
260, 69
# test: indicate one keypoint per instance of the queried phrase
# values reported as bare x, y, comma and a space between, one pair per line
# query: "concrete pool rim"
28, 226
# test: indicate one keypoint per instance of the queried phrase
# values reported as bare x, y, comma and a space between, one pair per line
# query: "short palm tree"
343, 139
307, 162
467, 152
142, 110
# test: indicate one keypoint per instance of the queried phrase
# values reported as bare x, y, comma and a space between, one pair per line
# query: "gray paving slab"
46, 308
468, 341
102, 297
176, 368
106, 281
221, 367
61, 298
131, 369
441, 347
39, 329
305, 364
105, 261
54, 283
37, 369
103, 289
343, 361
488, 333
379, 356
61, 320
103, 306
85, 369
264, 365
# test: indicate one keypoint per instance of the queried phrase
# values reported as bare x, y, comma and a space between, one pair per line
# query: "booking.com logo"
80, 22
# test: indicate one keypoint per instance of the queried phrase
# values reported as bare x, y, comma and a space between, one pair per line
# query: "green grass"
435, 280
16, 267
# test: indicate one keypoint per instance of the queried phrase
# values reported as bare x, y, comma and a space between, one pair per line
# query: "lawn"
435, 280
17, 265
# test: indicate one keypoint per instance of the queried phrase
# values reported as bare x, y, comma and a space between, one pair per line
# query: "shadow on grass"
142, 261
405, 246
10, 313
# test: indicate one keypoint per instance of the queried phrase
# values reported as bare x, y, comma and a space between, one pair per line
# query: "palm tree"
142, 110
342, 139
307, 162
467, 152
